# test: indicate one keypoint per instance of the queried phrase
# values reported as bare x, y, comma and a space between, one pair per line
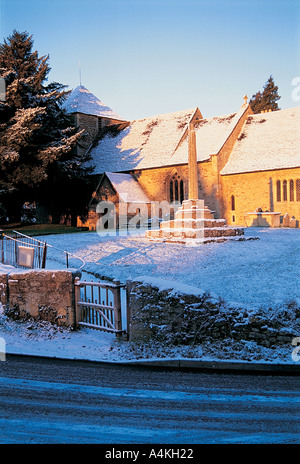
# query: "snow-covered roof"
268, 141
161, 141
81, 100
128, 189
211, 134
144, 143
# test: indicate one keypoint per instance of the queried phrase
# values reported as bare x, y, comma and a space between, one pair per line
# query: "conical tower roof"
81, 100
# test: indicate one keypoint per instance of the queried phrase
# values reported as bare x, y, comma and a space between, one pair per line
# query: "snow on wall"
181, 315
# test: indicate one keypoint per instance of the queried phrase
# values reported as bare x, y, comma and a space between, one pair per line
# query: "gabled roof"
128, 189
268, 141
161, 141
81, 100
144, 143
211, 134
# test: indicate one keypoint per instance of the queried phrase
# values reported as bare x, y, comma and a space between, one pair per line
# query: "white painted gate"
98, 305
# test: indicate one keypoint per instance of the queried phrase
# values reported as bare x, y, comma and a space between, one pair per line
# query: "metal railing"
20, 250
70, 260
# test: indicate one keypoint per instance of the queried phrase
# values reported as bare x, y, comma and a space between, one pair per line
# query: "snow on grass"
47, 340
252, 273
256, 272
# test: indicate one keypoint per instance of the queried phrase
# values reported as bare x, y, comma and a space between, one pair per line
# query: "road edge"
182, 363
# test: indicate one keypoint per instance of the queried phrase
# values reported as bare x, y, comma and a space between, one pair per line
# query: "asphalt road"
56, 401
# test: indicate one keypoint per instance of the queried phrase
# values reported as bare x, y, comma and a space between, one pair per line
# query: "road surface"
56, 401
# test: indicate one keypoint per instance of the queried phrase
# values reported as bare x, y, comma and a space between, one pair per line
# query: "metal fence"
20, 250
63, 258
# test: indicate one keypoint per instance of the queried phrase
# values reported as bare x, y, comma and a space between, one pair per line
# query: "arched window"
171, 192
176, 189
298, 189
181, 191
278, 190
284, 190
232, 202
176, 197
292, 191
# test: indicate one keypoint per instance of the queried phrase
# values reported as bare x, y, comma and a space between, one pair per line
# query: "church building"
248, 164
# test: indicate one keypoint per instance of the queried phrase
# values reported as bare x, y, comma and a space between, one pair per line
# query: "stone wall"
160, 313
3, 289
40, 294
90, 124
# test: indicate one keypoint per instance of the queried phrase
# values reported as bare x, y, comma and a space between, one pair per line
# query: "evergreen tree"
256, 102
267, 100
37, 137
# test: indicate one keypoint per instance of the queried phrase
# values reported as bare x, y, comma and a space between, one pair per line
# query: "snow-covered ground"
262, 272
253, 272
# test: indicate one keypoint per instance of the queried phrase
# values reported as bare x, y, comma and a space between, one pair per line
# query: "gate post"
128, 312
44, 256
117, 307
77, 298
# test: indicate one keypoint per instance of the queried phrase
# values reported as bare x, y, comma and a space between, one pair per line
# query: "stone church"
248, 164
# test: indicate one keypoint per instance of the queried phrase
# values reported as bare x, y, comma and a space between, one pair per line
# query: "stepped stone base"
194, 222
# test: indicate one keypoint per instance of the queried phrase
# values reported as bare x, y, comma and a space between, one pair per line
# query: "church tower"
90, 114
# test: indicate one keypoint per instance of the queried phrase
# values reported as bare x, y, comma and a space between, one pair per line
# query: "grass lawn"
42, 229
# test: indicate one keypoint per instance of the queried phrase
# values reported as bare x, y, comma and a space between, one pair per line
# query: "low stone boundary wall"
3, 288
40, 294
184, 316
158, 311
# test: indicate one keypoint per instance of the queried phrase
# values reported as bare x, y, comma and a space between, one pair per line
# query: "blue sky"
147, 57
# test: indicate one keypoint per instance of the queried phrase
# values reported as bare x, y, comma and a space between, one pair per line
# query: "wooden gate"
98, 305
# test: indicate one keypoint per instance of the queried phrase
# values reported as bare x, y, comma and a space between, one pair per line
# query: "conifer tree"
37, 137
267, 100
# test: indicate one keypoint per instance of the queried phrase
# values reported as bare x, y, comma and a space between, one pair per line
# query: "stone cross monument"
194, 223
193, 169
